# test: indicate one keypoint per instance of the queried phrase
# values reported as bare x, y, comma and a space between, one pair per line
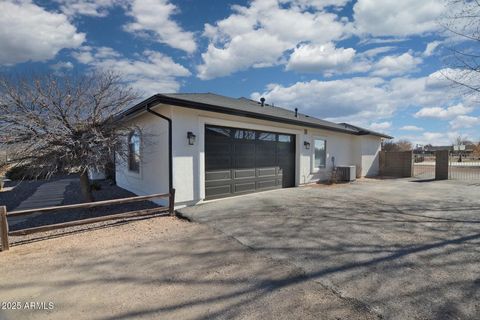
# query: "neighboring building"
466, 150
224, 147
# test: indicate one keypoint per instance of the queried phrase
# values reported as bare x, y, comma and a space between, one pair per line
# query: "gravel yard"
72, 195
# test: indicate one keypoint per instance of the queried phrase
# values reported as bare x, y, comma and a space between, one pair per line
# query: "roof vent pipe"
296, 112
262, 101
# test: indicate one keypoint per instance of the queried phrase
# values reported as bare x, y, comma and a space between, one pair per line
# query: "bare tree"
462, 21
64, 123
459, 140
400, 145
404, 145
476, 151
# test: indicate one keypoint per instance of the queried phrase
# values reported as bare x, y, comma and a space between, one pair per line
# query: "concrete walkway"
47, 195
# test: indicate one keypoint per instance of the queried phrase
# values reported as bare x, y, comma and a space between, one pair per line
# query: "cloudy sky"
372, 63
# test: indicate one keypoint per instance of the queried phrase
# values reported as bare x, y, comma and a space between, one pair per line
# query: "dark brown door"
241, 161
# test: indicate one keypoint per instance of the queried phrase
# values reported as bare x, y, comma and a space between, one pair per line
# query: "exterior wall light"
191, 138
306, 144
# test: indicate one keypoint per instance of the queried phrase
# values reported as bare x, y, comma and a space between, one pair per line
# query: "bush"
23, 172
96, 186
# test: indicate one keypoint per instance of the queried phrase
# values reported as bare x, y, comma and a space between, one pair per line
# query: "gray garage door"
242, 161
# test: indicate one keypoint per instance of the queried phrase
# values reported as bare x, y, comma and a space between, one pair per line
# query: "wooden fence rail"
4, 232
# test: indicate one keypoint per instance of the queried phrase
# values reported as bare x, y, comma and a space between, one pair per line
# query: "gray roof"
249, 108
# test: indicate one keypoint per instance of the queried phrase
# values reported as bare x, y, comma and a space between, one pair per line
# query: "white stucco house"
221, 146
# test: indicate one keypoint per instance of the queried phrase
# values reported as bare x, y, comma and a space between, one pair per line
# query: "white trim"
314, 169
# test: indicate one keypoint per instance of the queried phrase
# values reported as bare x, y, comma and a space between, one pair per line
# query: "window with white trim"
134, 151
319, 153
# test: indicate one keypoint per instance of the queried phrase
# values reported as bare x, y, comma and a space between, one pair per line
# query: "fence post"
171, 202
441, 165
4, 229
411, 167
381, 160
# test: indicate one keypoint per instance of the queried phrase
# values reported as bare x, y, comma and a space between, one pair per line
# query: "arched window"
134, 151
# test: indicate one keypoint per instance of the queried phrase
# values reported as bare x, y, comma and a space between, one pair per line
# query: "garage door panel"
245, 187
218, 191
267, 172
244, 174
267, 184
218, 155
242, 155
265, 153
218, 175
242, 161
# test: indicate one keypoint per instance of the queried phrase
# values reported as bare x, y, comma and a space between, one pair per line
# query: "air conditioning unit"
346, 173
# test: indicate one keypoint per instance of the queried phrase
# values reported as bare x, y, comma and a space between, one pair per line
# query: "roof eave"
159, 98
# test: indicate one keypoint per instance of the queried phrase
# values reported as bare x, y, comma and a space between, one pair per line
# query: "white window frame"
315, 169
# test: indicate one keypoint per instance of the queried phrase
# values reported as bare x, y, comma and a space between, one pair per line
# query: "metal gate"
424, 166
463, 167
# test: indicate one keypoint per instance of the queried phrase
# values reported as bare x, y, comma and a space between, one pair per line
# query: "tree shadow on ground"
406, 256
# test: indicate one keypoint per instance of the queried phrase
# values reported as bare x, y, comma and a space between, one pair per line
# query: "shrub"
23, 172
95, 185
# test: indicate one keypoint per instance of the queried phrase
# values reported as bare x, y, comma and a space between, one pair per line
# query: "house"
223, 146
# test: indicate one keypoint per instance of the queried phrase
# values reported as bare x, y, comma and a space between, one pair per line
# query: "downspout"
170, 151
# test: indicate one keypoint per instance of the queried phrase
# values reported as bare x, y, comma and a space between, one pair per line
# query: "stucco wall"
370, 148
189, 160
153, 175
338, 147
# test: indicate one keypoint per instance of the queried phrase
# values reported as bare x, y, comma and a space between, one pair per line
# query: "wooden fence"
5, 233
396, 164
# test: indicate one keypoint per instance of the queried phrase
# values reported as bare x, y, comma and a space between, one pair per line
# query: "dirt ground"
159, 268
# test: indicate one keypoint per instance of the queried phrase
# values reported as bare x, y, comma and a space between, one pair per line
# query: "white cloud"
259, 35
411, 128
431, 47
153, 18
30, 33
443, 113
380, 125
396, 65
320, 58
151, 73
434, 138
334, 99
93, 8
62, 66
360, 100
318, 4
397, 18
376, 51
464, 122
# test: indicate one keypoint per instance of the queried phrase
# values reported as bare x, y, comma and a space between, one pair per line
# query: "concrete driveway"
408, 250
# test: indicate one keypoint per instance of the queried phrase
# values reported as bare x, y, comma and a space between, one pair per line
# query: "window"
217, 132
134, 151
244, 134
320, 153
284, 138
266, 136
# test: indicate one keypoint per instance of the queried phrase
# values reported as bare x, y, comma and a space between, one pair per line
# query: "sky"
376, 64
